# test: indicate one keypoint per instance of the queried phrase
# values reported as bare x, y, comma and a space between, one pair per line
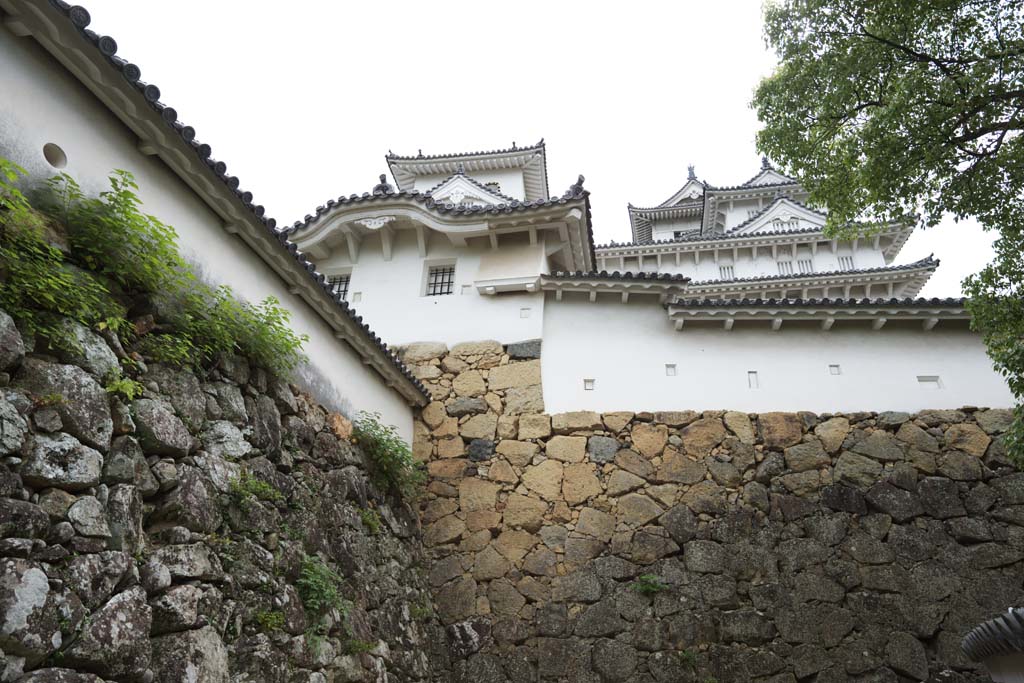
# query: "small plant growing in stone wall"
125, 387
247, 488
393, 465
320, 587
649, 584
371, 520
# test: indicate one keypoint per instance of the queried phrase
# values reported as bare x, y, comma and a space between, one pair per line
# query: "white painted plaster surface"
41, 103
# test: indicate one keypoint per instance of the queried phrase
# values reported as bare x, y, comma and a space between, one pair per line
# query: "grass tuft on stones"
247, 488
270, 620
319, 587
371, 520
649, 584
68, 256
392, 465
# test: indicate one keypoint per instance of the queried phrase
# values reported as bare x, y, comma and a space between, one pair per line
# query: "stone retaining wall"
704, 547
165, 538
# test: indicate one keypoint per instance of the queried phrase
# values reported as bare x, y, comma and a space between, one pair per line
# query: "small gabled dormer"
462, 190
782, 215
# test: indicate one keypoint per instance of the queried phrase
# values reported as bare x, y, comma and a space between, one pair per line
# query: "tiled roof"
825, 303
107, 46
709, 238
616, 275
928, 262
422, 157
514, 205
574, 192
1000, 636
745, 186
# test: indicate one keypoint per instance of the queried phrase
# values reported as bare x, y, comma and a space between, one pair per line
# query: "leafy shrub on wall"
66, 255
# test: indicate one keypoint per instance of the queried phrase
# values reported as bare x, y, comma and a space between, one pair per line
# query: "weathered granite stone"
524, 401
61, 461
522, 374
637, 509
479, 427
899, 504
86, 349
30, 612
566, 448
480, 450
83, 404
779, 430
701, 436
523, 511
524, 350
579, 483
806, 456
740, 425
648, 439
265, 420
21, 519
600, 619
621, 482
176, 609
602, 449
856, 470
994, 421
160, 430
189, 561
197, 655
544, 479
968, 438
462, 406
89, 518
615, 661
880, 446
906, 655
191, 504
477, 494
124, 518
583, 420
184, 392
12, 428
421, 352
892, 418
12, 348
534, 426
223, 439
677, 468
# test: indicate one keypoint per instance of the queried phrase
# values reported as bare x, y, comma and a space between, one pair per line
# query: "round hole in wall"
55, 156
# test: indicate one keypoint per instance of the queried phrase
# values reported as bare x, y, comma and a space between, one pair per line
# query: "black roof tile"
923, 263
826, 303
616, 275
425, 157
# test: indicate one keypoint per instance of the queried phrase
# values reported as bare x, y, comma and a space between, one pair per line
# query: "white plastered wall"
391, 293
42, 103
624, 348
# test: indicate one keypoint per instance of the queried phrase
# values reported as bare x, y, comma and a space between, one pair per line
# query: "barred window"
805, 265
440, 280
726, 272
845, 263
339, 285
785, 267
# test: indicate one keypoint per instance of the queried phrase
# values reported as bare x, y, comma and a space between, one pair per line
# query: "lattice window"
440, 280
726, 273
845, 263
785, 267
805, 265
339, 285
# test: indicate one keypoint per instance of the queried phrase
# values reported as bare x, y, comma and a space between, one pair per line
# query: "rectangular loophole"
588, 385
467, 289
930, 382
834, 370
670, 369
524, 312
752, 380
357, 297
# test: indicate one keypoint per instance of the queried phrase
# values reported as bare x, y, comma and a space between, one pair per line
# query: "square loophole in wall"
670, 369
525, 312
834, 369
588, 384
466, 289
357, 297
930, 382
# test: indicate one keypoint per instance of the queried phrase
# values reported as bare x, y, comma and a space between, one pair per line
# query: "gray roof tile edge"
928, 262
952, 302
999, 636
107, 46
616, 275
537, 146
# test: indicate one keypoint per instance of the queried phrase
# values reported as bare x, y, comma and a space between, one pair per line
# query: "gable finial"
460, 169
419, 153
691, 172
513, 144
765, 164
383, 187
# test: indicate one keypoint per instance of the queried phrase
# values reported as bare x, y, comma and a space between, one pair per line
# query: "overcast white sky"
303, 99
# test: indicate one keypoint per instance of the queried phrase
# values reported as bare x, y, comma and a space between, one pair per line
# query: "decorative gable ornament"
782, 214
460, 190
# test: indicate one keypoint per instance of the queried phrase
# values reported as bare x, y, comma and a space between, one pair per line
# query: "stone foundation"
164, 539
715, 546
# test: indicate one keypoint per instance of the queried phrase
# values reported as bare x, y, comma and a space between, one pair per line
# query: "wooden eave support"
353, 246
421, 240
929, 324
878, 323
827, 324
729, 322
386, 241
776, 324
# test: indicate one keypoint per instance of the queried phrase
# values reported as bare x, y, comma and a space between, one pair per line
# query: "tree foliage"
886, 108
